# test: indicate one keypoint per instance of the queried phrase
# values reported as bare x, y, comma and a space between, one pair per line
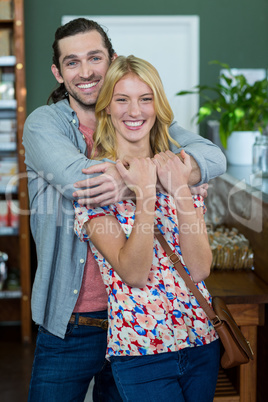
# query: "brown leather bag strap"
175, 260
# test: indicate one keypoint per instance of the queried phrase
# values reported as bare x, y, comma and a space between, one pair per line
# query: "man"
68, 297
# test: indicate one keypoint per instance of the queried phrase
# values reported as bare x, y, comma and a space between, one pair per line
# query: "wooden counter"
246, 295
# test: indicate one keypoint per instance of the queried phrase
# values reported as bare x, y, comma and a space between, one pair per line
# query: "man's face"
84, 62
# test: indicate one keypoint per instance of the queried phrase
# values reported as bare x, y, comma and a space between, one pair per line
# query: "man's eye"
96, 58
71, 63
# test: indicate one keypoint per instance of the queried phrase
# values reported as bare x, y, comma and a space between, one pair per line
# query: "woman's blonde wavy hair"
105, 137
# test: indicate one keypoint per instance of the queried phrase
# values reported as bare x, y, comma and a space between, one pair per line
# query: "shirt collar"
64, 107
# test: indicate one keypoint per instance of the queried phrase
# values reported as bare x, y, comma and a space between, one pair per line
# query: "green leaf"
205, 110
236, 104
185, 93
239, 114
223, 137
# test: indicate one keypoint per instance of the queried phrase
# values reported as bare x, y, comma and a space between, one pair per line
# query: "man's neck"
87, 118
86, 114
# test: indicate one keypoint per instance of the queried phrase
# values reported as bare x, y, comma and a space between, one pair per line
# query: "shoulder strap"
175, 260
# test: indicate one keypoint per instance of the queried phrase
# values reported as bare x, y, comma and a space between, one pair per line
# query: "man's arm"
104, 189
51, 154
207, 159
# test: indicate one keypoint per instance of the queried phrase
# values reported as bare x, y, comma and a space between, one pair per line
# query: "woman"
161, 344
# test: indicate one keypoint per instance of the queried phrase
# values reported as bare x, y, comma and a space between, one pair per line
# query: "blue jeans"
189, 375
63, 368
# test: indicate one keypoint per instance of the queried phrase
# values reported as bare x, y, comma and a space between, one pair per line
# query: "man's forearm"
206, 155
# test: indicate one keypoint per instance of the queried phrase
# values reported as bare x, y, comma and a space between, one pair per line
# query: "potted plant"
240, 108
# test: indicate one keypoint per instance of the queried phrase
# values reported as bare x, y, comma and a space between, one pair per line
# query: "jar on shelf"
260, 155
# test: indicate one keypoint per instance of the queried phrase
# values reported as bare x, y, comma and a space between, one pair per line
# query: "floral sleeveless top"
163, 316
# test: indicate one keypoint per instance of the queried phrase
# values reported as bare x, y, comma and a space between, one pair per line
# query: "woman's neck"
134, 150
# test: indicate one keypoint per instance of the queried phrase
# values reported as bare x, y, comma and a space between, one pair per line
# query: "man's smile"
87, 86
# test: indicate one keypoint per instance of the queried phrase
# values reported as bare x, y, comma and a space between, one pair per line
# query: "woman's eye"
120, 100
147, 99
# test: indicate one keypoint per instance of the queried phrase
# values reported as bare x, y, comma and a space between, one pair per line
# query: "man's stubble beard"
91, 103
81, 99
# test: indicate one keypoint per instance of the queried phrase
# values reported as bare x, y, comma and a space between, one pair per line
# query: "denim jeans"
63, 368
189, 375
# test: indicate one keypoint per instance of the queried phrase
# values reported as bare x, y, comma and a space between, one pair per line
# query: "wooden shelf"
10, 294
225, 391
17, 245
7, 61
9, 231
8, 190
8, 104
246, 295
238, 286
7, 21
8, 146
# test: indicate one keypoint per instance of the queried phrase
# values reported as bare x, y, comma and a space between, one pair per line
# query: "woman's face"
132, 109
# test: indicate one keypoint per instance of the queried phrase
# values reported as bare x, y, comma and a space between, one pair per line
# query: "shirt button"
74, 121
75, 291
82, 260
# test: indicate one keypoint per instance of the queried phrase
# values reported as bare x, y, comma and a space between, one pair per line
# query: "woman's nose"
134, 109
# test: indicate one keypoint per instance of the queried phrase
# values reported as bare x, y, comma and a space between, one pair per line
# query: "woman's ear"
108, 109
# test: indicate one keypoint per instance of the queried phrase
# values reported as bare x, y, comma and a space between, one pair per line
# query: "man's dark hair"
74, 27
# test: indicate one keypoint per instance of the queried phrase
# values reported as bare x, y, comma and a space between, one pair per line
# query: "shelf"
7, 21
7, 61
8, 231
8, 189
10, 294
15, 306
8, 146
8, 104
225, 391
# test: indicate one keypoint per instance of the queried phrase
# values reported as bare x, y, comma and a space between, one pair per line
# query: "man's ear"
115, 55
56, 74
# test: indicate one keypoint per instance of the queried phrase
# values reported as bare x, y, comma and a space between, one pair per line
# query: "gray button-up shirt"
55, 156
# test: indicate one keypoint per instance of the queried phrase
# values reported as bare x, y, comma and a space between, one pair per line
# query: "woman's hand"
139, 174
173, 173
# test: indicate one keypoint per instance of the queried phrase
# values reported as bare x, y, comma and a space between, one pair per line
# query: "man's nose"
85, 70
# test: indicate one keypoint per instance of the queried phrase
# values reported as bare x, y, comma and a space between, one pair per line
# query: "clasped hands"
116, 182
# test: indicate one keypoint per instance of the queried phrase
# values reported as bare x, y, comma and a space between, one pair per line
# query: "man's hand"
105, 189
195, 175
173, 172
201, 190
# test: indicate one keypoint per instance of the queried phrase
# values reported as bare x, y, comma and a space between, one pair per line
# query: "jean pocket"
43, 330
69, 330
122, 359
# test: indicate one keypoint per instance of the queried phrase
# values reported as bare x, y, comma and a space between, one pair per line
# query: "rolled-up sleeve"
209, 157
53, 152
